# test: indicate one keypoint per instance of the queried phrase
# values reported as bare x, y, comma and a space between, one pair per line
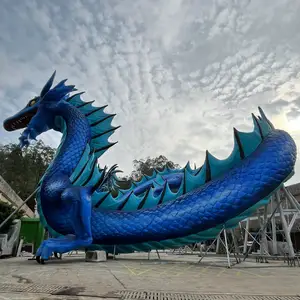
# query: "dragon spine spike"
111, 130
144, 199
102, 120
48, 85
102, 198
61, 84
105, 147
94, 169
207, 167
257, 125
96, 109
100, 180
74, 96
263, 116
123, 203
85, 104
159, 179
239, 143
163, 193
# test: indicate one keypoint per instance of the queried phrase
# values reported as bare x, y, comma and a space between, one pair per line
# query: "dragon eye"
32, 102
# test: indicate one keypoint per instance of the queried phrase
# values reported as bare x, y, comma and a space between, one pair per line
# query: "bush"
5, 210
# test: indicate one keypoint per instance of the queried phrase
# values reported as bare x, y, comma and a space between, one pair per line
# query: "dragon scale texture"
171, 208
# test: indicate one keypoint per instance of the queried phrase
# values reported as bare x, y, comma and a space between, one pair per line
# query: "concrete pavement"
131, 276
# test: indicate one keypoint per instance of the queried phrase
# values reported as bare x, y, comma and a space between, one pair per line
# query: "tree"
5, 210
146, 166
22, 169
143, 167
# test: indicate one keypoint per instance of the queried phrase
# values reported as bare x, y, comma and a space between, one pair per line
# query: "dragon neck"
75, 139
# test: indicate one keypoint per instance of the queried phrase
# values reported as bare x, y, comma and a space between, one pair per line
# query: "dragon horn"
48, 85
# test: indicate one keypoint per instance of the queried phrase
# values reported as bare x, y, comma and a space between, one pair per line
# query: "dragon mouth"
18, 122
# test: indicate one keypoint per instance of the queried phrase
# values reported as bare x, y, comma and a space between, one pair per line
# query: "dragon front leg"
78, 202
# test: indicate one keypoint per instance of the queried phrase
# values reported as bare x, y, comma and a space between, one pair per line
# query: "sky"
179, 74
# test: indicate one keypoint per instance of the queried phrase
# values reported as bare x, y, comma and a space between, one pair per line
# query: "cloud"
179, 74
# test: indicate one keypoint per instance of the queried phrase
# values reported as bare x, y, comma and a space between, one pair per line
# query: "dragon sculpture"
171, 208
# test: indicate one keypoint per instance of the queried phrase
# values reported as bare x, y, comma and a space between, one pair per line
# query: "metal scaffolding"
278, 218
275, 220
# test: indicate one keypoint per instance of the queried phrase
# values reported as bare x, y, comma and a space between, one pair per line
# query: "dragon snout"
19, 121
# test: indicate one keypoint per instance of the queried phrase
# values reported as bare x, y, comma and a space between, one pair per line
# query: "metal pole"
218, 245
273, 226
114, 254
246, 236
264, 241
18, 208
226, 246
272, 215
285, 227
291, 198
210, 246
235, 242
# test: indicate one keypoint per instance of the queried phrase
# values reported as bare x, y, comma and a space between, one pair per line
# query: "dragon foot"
60, 245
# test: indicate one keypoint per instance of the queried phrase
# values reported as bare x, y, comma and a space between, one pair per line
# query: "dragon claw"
40, 260
57, 246
27, 135
56, 255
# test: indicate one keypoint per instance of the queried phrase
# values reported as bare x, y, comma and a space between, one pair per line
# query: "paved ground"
23, 279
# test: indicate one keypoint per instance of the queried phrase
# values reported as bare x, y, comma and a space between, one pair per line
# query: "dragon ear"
48, 85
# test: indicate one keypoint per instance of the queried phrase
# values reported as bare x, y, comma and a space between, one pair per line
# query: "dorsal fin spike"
208, 170
147, 177
167, 169
133, 183
159, 179
187, 164
105, 132
144, 199
73, 96
101, 120
105, 147
265, 118
94, 166
239, 143
256, 124
48, 85
99, 182
85, 103
121, 206
162, 195
184, 181
154, 173
100, 201
95, 110
198, 171
188, 167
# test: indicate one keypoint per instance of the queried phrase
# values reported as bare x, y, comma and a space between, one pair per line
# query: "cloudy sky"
178, 73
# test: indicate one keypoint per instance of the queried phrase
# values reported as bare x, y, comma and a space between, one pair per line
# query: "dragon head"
37, 117
22, 118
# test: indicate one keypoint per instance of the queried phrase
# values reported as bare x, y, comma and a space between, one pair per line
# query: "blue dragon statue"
171, 208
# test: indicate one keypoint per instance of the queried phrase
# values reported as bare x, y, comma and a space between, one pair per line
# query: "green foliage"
146, 166
22, 169
5, 210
